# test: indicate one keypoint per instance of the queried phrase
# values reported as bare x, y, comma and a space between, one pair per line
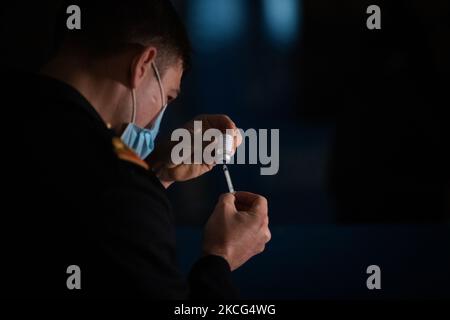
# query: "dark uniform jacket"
75, 195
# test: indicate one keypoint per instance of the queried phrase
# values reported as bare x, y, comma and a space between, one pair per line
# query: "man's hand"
238, 228
160, 159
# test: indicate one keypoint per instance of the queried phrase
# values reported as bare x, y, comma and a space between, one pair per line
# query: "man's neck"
101, 92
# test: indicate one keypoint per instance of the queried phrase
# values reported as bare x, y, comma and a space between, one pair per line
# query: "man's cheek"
143, 117
148, 116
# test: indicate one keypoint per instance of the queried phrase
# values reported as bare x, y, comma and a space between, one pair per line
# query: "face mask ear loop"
161, 87
133, 114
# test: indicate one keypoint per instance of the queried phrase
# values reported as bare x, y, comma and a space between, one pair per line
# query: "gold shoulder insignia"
126, 154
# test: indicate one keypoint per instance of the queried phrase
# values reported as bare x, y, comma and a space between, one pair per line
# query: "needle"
228, 178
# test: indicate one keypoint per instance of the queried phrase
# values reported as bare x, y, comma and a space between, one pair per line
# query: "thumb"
227, 200
259, 206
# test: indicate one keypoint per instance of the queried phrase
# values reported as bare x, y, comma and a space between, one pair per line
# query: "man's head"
119, 41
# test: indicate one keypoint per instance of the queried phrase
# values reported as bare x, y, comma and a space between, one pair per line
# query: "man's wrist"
219, 254
217, 257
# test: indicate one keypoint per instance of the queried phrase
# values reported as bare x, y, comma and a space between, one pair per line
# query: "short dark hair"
109, 25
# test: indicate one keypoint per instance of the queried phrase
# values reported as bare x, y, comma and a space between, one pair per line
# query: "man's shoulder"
51, 131
64, 136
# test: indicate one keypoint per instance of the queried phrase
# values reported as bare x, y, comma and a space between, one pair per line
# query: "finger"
261, 249
260, 207
266, 221
255, 203
268, 236
220, 122
246, 197
238, 139
244, 200
227, 199
250, 198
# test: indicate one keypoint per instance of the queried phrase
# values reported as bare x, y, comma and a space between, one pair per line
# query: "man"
88, 190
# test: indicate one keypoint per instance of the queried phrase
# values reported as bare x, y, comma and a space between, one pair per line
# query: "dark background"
362, 115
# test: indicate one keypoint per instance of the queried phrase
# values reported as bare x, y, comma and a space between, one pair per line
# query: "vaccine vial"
225, 153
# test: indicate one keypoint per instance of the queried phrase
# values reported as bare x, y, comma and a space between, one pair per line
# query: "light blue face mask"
142, 140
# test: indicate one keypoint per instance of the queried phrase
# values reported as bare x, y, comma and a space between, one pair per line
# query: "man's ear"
141, 65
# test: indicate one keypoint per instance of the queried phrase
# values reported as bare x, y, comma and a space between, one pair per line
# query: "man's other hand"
168, 172
238, 229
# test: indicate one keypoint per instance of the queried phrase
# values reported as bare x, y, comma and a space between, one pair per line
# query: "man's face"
148, 94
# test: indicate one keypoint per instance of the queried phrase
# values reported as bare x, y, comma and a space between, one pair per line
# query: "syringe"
228, 178
225, 155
